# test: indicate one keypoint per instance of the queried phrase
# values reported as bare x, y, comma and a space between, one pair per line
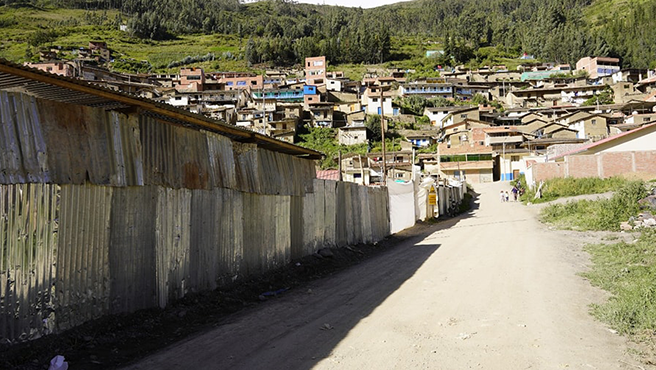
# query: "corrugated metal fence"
103, 212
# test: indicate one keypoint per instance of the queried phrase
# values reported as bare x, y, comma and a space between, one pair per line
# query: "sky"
352, 3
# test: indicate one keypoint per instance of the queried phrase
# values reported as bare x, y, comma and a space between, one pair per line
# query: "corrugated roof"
14, 77
328, 175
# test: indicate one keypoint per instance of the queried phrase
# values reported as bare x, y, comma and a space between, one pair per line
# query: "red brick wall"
546, 171
614, 164
645, 162
582, 166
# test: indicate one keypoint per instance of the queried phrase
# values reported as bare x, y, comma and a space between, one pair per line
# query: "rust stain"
194, 178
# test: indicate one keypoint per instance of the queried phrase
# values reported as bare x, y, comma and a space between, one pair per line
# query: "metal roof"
14, 77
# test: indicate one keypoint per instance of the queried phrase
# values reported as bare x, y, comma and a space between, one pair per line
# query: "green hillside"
234, 36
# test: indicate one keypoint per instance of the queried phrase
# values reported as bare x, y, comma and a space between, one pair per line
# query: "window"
241, 83
399, 175
645, 119
514, 158
375, 100
594, 121
463, 116
357, 175
253, 82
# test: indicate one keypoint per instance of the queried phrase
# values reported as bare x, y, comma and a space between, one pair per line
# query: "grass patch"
603, 214
628, 271
568, 187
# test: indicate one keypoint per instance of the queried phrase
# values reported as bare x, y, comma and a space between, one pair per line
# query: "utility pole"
503, 160
339, 158
382, 135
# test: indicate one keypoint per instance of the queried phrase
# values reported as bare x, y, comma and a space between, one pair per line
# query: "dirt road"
494, 289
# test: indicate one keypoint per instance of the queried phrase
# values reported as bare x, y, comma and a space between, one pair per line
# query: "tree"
322, 139
373, 124
605, 97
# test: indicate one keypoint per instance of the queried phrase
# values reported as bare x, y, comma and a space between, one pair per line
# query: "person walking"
507, 196
515, 191
502, 196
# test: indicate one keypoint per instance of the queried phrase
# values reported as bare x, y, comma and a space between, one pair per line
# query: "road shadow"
347, 286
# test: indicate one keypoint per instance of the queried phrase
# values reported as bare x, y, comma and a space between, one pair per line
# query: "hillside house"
468, 162
592, 127
420, 138
321, 115
528, 98
598, 66
352, 134
633, 75
640, 119
281, 95
398, 164
375, 104
315, 70
311, 96
355, 168
428, 90
455, 117
437, 114
60, 68
506, 143
240, 80
191, 80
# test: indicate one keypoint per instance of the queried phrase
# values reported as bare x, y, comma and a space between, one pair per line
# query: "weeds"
567, 187
628, 271
604, 214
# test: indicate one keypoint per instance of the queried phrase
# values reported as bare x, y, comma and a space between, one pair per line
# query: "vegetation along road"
492, 289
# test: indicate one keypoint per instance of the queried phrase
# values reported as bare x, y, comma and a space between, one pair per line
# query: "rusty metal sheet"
193, 159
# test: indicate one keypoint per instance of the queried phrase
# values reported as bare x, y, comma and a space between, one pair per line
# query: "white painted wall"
644, 142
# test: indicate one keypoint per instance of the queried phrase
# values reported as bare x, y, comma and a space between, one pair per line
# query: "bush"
567, 187
191, 60
604, 214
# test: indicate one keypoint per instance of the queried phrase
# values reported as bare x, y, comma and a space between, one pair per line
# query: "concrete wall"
603, 165
102, 212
